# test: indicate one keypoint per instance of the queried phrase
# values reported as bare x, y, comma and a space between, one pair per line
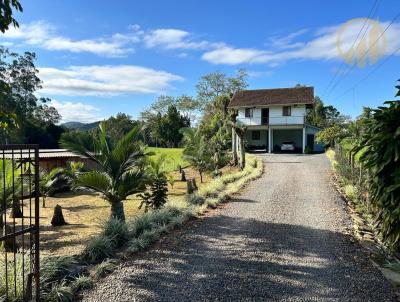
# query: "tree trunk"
58, 217
242, 154
201, 176
117, 210
16, 211
43, 202
234, 147
8, 245
1, 219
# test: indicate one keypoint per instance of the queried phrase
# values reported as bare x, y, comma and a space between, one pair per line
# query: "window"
255, 135
248, 112
286, 111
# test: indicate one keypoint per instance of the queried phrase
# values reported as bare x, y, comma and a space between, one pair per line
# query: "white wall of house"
275, 116
249, 121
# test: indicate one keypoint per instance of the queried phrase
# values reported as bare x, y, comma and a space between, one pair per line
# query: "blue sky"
98, 58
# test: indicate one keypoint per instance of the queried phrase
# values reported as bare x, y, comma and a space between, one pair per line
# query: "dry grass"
85, 212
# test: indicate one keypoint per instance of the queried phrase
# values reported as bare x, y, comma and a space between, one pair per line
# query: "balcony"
272, 120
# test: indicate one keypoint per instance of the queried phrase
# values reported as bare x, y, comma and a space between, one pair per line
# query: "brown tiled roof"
278, 96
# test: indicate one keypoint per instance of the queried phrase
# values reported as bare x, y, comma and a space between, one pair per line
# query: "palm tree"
121, 166
46, 183
197, 151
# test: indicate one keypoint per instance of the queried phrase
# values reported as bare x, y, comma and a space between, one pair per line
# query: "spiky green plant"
157, 188
121, 166
197, 152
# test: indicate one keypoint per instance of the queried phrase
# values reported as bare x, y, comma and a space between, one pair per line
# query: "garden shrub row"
61, 277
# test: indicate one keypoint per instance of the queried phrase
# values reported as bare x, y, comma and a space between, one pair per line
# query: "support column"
304, 139
269, 140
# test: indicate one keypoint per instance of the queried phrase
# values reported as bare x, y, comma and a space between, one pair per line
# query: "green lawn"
173, 157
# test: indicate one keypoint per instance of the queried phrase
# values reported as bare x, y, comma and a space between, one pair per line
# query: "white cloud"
233, 56
105, 80
323, 46
42, 34
76, 112
286, 42
172, 39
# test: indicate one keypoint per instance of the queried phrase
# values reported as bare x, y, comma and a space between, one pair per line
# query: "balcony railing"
276, 120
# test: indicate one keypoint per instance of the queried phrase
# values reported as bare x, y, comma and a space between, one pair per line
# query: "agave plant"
120, 166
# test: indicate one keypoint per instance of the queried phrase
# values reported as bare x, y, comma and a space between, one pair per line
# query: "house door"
310, 141
264, 116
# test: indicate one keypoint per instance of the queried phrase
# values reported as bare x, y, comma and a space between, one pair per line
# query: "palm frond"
95, 180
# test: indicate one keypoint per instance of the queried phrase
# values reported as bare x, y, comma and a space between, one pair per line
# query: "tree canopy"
25, 117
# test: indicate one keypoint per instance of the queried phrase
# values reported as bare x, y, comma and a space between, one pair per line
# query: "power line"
374, 7
370, 73
366, 53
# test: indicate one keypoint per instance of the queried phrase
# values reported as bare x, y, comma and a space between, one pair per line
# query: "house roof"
43, 154
276, 96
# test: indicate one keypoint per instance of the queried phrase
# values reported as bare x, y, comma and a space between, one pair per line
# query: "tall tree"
217, 83
119, 125
188, 106
31, 115
6, 14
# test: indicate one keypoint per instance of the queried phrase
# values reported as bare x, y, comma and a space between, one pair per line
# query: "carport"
295, 135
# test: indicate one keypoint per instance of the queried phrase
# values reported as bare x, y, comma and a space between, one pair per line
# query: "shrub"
21, 266
151, 220
117, 231
212, 189
145, 239
380, 144
351, 192
195, 199
156, 195
104, 268
98, 248
82, 283
55, 268
59, 293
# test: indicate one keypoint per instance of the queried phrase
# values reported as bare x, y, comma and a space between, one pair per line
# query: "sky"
97, 58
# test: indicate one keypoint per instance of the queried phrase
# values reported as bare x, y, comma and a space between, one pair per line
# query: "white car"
287, 146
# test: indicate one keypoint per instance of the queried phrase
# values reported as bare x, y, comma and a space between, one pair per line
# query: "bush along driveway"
284, 238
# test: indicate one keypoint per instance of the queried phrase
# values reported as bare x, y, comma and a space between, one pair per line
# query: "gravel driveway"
282, 239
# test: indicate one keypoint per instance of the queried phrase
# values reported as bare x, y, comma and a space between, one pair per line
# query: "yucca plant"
120, 166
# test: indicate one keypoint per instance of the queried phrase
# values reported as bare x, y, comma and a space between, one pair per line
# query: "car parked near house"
288, 146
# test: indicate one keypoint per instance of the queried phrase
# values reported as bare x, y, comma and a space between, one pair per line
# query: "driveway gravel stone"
284, 238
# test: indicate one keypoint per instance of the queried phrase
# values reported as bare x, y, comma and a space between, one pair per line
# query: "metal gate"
19, 223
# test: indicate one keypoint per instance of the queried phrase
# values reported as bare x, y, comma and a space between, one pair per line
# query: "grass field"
173, 157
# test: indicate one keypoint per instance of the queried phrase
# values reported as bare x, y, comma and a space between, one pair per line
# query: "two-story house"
274, 116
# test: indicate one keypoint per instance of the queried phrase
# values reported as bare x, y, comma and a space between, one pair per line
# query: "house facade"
271, 117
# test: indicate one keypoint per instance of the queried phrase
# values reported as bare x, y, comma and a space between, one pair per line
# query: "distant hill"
80, 126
